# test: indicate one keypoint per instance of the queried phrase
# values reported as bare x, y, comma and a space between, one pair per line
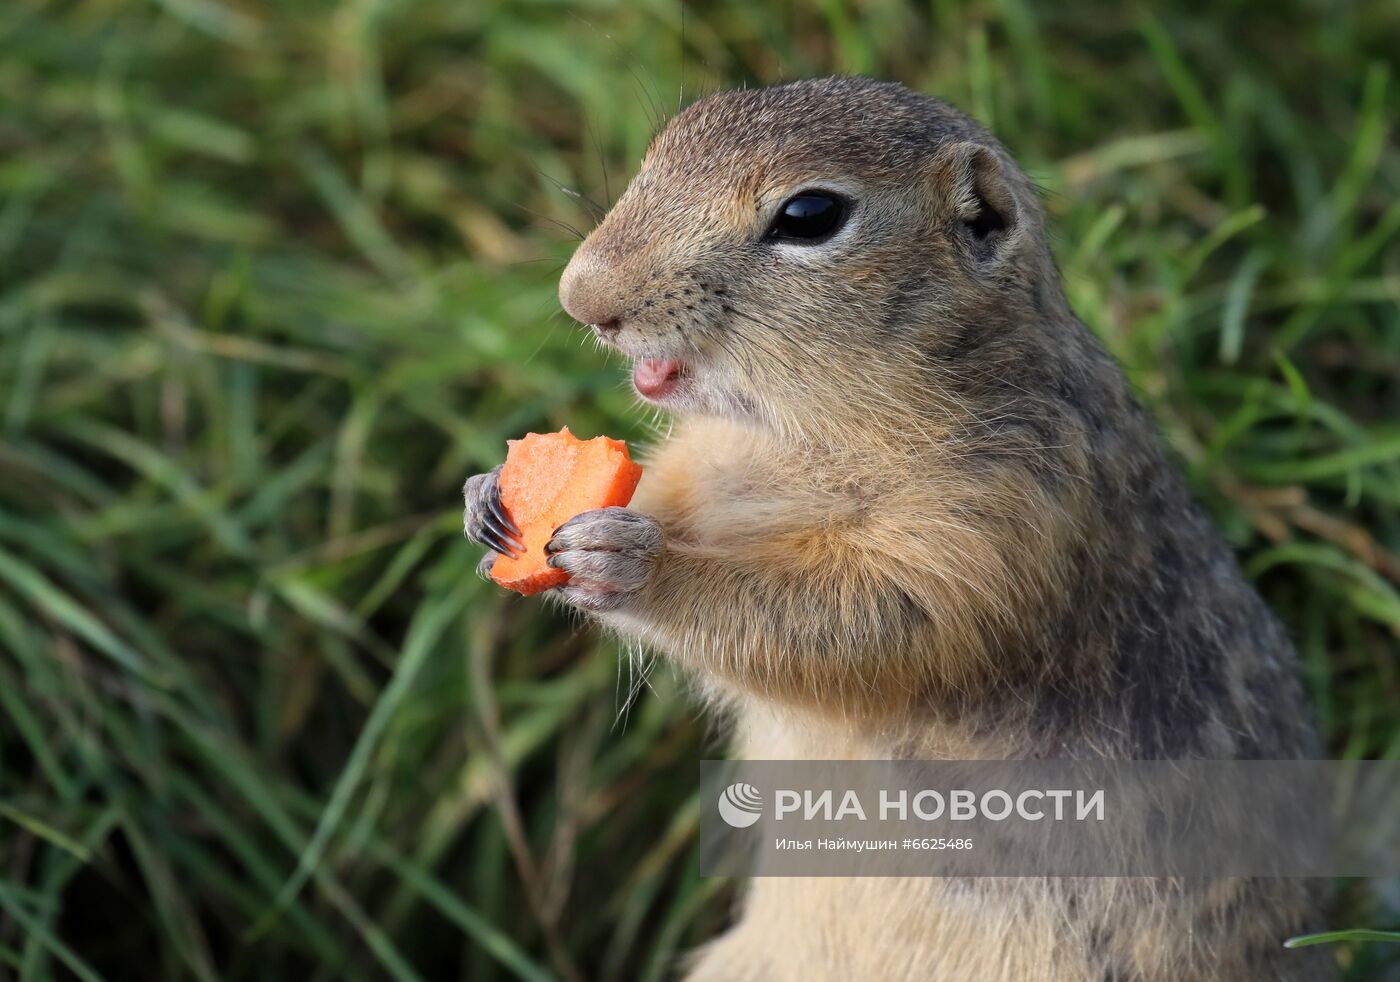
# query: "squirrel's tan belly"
888, 929
877, 928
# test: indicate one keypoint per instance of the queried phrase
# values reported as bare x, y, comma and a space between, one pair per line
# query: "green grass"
276, 277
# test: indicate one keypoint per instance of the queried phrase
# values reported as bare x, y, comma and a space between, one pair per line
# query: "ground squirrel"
908, 507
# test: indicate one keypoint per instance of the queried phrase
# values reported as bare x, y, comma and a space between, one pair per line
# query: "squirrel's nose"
590, 291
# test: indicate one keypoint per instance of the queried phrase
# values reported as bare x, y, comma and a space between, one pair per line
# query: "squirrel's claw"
484, 518
498, 510
495, 536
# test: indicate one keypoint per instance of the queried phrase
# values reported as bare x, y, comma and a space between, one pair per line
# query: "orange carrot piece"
548, 478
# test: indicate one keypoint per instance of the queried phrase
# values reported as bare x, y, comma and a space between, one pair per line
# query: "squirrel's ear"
973, 185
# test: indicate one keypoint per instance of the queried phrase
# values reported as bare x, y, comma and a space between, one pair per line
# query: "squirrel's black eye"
808, 216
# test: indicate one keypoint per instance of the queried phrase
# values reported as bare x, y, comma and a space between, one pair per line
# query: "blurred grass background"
276, 277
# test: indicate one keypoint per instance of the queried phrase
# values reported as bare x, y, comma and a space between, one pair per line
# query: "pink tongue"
656, 376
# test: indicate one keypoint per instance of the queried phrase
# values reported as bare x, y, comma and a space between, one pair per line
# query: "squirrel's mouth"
657, 378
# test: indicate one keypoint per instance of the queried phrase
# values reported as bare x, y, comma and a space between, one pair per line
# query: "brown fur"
910, 508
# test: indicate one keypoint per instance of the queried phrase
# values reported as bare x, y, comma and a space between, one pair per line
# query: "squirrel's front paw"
608, 553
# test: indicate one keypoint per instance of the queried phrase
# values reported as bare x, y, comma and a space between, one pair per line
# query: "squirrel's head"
804, 251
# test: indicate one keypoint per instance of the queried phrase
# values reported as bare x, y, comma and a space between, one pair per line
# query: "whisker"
554, 221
